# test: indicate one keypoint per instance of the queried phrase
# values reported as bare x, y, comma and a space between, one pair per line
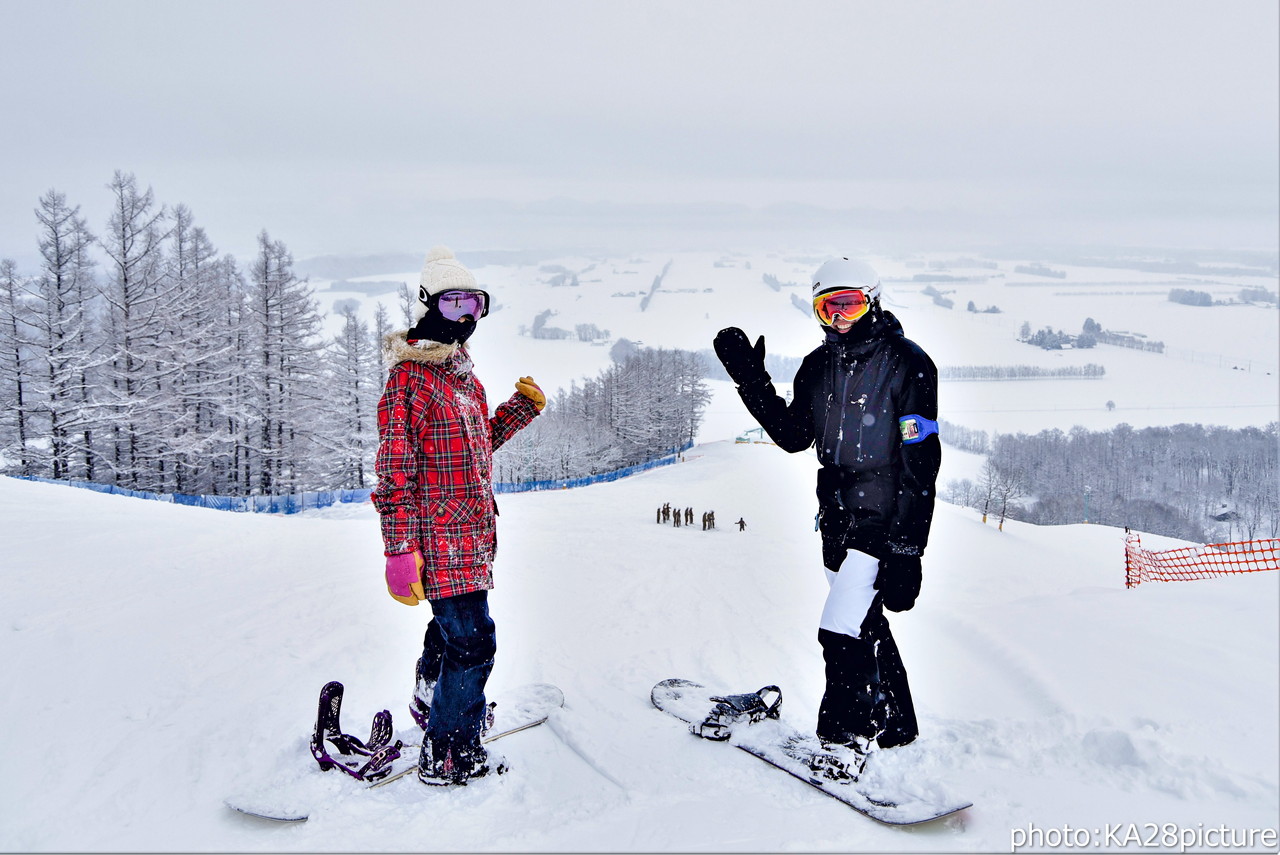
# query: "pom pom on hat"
440, 272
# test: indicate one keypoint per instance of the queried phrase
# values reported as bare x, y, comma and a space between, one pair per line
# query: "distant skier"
435, 497
741, 524
867, 397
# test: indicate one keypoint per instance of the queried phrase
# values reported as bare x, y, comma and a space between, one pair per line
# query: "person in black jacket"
867, 399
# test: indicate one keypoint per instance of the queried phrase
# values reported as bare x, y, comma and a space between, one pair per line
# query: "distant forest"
1189, 481
645, 405
1090, 371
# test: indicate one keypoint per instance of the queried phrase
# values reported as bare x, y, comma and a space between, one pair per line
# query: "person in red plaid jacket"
435, 497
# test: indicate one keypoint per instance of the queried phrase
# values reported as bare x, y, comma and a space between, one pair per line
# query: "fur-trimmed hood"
396, 349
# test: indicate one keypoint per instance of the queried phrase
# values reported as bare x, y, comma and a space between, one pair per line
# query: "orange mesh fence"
1197, 562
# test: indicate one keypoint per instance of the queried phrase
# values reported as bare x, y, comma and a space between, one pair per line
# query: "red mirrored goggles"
848, 303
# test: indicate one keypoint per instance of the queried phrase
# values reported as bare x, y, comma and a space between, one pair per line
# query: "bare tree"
1010, 486
988, 486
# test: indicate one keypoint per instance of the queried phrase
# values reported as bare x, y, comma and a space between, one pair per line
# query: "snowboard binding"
829, 767
839, 763
364, 761
731, 710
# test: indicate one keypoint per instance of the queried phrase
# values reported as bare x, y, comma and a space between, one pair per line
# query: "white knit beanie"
440, 272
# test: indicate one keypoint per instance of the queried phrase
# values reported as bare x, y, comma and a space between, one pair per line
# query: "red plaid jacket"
435, 464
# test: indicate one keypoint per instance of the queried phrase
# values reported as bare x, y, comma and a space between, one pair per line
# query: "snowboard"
300, 790
769, 738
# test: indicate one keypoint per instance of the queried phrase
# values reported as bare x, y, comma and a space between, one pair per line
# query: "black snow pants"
867, 693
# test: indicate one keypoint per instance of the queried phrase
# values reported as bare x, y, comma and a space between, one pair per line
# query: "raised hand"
743, 361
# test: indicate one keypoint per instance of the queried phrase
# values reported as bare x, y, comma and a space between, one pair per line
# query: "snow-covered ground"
158, 658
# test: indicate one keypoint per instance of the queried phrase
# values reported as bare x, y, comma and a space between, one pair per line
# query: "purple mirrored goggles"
456, 304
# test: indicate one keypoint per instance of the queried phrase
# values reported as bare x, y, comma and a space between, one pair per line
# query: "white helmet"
840, 273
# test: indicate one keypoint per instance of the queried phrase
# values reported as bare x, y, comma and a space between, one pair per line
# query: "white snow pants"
852, 590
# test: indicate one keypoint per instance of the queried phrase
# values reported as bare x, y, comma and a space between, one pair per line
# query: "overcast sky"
377, 126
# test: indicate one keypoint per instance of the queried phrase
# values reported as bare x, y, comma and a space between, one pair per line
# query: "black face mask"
863, 329
435, 327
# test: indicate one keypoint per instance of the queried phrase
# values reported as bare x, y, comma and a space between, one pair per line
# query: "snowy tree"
15, 394
381, 326
234, 466
196, 350
136, 310
408, 298
61, 300
286, 392
354, 373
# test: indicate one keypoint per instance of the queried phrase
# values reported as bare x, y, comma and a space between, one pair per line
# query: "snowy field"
159, 658
1221, 365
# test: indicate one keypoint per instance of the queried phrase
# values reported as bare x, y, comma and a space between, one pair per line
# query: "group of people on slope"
681, 517
866, 399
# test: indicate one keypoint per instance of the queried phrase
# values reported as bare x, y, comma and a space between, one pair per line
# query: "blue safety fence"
294, 502
586, 480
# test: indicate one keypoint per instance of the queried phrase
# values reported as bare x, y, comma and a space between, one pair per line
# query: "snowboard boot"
841, 763
420, 705
445, 764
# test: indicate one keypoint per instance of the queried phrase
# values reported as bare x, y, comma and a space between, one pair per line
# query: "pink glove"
404, 578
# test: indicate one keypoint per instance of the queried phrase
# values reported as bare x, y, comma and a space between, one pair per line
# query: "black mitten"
899, 581
743, 361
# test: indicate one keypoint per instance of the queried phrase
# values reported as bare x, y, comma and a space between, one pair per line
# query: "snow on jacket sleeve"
919, 463
396, 467
510, 417
790, 426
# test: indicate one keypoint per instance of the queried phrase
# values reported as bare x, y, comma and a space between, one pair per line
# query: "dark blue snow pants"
457, 655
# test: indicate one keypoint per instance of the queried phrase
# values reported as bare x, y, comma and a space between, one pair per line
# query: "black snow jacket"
875, 493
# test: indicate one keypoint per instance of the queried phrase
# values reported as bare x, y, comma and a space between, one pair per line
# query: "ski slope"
158, 658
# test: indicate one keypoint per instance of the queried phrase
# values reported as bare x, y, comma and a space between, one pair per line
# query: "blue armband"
916, 429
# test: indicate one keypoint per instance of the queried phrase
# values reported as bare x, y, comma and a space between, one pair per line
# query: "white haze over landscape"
348, 127
162, 658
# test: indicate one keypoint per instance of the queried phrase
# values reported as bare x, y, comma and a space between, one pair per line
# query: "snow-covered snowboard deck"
295, 795
783, 746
